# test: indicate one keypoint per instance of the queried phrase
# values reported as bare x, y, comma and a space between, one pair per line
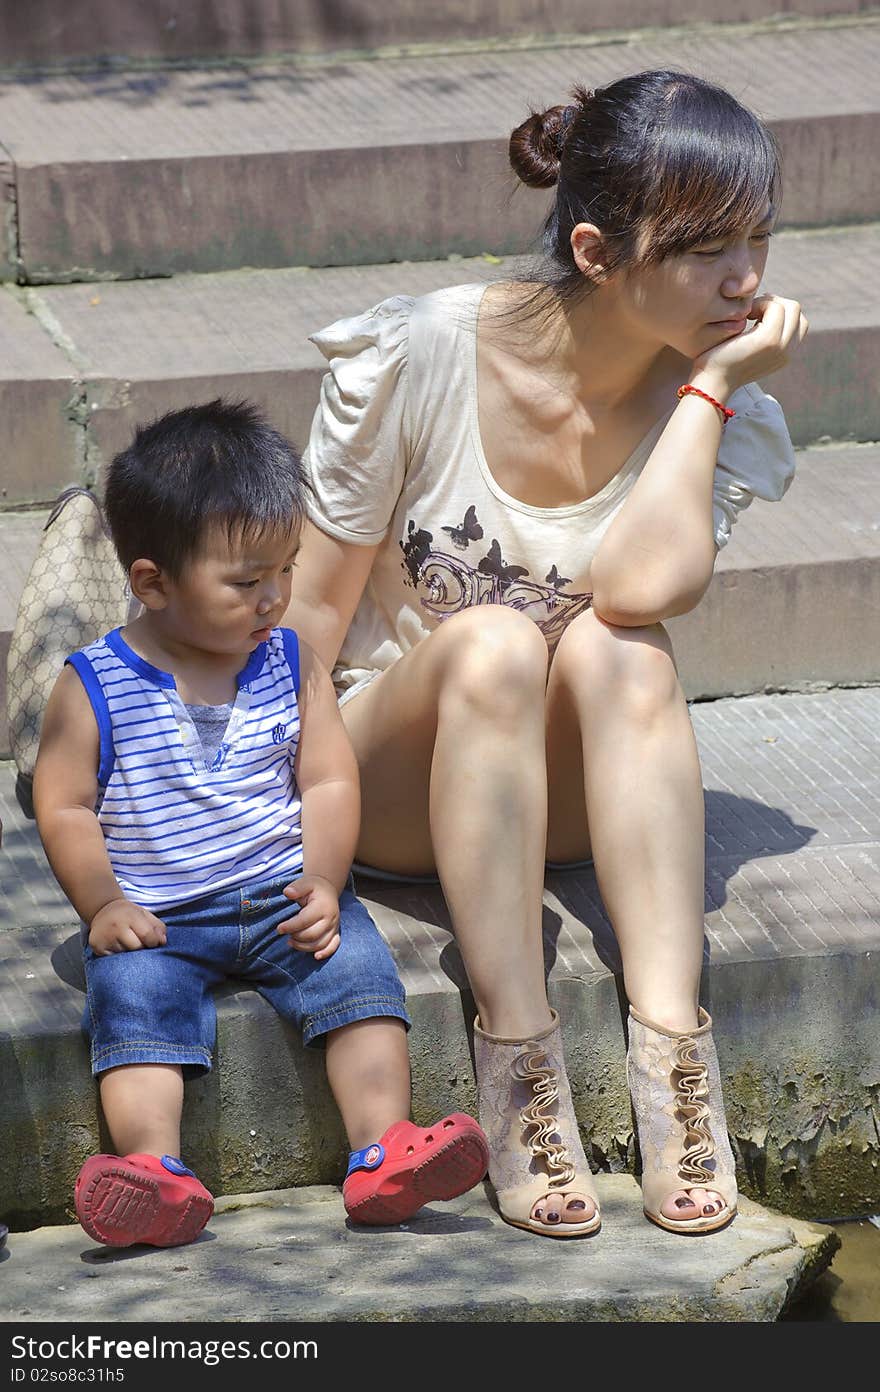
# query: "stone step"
59, 31
289, 1258
792, 788
793, 603
130, 173
92, 361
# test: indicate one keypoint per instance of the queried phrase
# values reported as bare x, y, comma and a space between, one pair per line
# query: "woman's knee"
495, 657
605, 662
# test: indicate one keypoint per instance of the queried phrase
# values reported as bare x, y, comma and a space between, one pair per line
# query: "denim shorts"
155, 1004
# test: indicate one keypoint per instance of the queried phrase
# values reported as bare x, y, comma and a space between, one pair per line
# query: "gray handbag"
76, 590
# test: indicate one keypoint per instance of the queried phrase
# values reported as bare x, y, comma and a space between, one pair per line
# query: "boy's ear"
148, 584
588, 249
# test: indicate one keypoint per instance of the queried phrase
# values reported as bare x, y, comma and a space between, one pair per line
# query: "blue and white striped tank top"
175, 829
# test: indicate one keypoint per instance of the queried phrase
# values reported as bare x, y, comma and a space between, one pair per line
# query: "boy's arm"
327, 777
65, 790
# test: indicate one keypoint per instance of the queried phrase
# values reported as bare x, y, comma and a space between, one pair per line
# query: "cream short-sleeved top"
395, 459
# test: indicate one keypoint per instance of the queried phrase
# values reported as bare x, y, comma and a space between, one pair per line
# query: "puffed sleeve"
755, 460
358, 449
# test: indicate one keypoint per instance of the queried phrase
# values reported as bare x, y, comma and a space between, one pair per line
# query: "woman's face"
699, 298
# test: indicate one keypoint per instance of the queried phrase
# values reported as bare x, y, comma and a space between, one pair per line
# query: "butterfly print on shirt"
470, 530
447, 584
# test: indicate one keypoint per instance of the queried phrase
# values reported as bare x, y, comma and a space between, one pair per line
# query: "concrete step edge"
93, 361
172, 179
394, 35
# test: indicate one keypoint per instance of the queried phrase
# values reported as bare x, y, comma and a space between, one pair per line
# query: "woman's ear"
588, 249
148, 584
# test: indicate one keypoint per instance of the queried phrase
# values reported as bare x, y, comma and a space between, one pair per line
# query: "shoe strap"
370, 1158
175, 1166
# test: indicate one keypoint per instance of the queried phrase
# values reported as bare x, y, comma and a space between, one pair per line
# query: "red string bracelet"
726, 412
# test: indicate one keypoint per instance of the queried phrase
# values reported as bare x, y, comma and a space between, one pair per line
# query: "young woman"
514, 485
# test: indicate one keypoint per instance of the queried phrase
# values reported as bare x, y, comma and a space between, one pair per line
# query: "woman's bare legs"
451, 747
450, 743
613, 696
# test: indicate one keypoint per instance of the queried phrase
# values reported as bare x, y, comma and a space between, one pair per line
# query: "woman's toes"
578, 1209
548, 1210
693, 1203
679, 1207
553, 1209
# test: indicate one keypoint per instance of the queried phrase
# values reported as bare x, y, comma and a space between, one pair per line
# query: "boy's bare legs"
368, 1073
138, 1194
396, 1167
142, 1105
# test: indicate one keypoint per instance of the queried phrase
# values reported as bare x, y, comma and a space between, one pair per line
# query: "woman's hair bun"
536, 146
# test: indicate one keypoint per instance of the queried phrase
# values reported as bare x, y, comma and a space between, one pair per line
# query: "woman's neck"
588, 351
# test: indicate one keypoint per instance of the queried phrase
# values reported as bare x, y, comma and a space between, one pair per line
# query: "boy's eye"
245, 584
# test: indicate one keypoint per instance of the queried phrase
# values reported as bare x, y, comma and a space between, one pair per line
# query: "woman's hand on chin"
764, 346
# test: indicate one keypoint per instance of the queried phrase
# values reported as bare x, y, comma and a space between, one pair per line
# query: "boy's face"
228, 597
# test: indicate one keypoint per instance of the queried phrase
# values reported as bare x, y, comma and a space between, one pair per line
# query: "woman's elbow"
649, 600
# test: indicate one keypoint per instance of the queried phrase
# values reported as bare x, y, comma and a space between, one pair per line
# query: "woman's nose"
743, 277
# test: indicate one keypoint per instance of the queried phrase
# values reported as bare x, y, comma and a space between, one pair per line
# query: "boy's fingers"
124, 940
310, 932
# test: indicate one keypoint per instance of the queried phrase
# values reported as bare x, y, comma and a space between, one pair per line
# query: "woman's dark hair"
660, 162
220, 463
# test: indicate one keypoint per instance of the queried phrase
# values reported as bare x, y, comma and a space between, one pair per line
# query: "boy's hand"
122, 926
316, 927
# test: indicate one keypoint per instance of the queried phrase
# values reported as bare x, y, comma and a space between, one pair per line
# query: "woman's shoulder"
386, 326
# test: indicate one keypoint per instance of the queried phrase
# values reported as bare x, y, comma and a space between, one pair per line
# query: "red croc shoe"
410, 1165
138, 1198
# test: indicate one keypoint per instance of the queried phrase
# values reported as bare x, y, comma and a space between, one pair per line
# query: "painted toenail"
709, 1208
684, 1203
576, 1203
553, 1217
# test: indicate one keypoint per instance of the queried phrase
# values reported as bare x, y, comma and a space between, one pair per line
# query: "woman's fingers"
770, 311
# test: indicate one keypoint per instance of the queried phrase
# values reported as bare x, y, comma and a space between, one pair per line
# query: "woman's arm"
328, 581
658, 555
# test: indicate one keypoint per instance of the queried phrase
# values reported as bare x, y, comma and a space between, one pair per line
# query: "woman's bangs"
709, 192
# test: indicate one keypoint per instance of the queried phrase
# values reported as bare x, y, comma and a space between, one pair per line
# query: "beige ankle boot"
675, 1087
537, 1165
